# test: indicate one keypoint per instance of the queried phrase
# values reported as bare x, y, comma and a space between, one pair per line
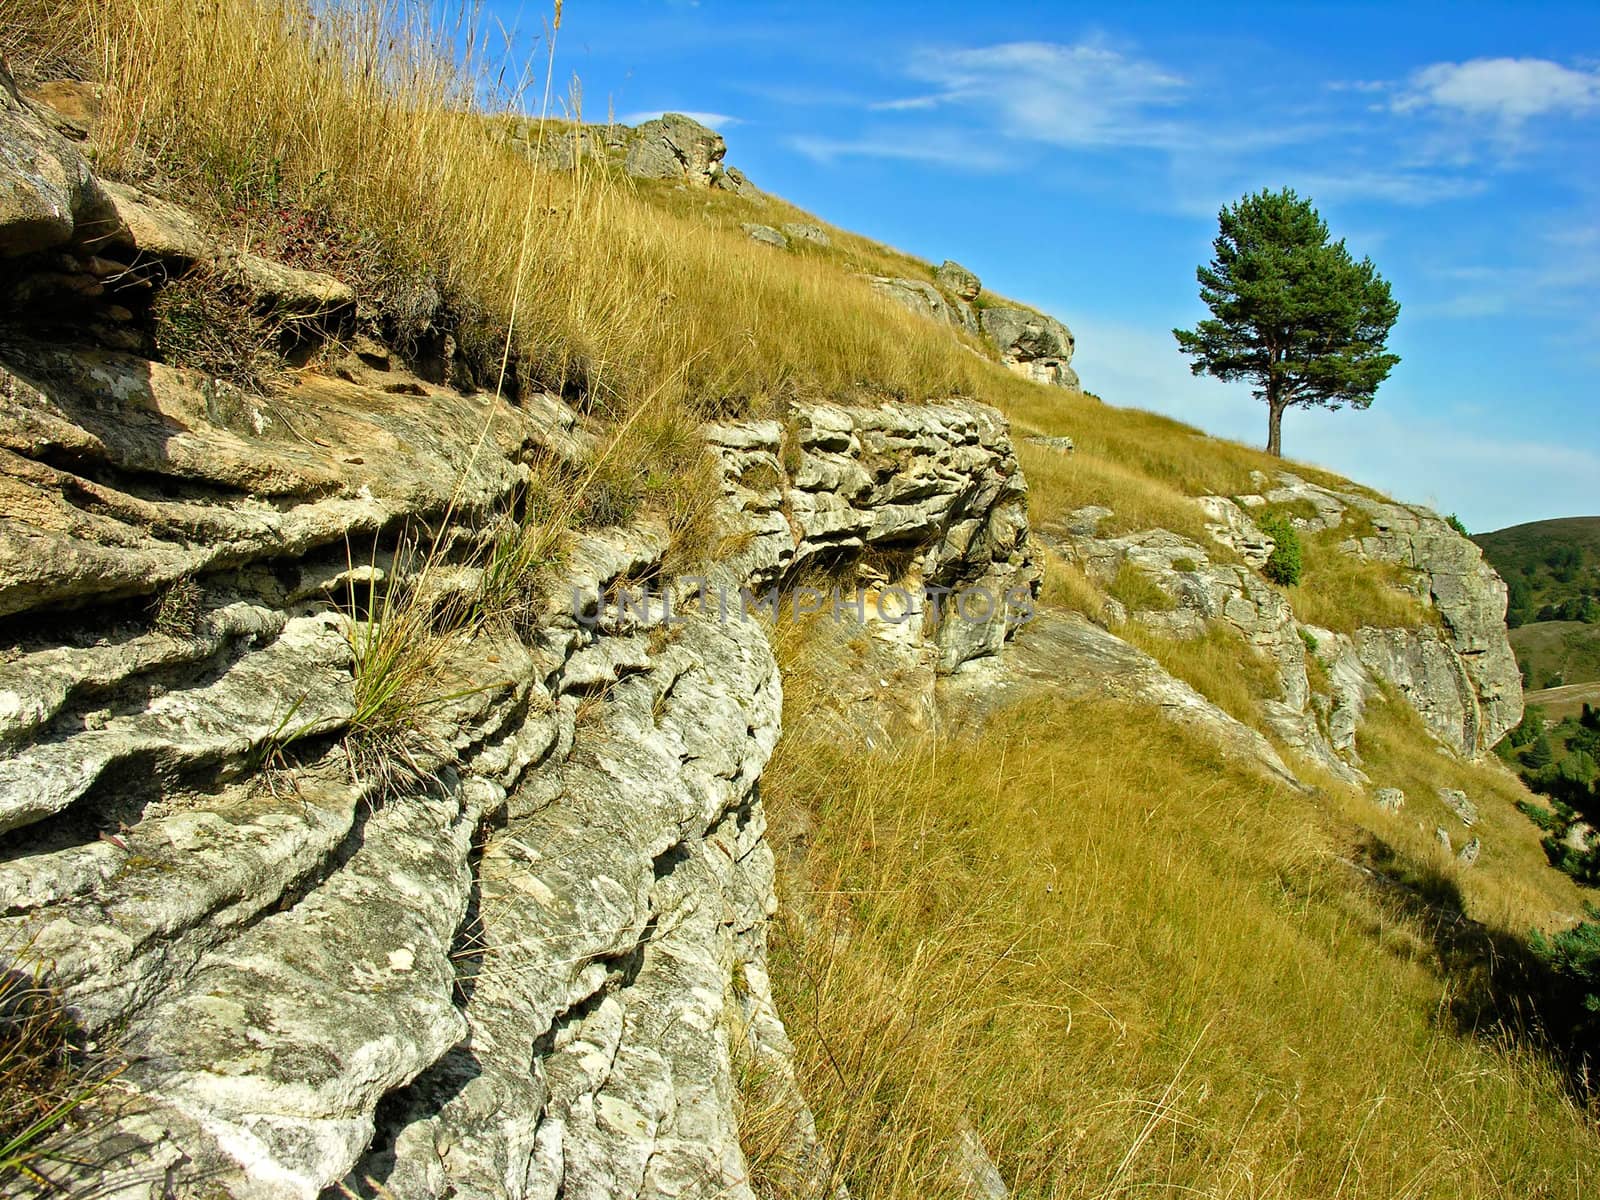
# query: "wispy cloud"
1411, 188
947, 148
1083, 94
1509, 91
710, 120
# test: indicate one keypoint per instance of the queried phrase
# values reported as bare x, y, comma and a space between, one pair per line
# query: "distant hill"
1552, 567
1553, 571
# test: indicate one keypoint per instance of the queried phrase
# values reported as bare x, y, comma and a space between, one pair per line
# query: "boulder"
1032, 344
765, 234
1469, 853
48, 195
958, 281
1061, 445
1456, 801
924, 299
802, 232
1391, 800
674, 146
734, 180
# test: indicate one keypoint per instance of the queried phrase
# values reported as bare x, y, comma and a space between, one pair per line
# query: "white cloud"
1507, 90
710, 120
942, 149
1084, 94
1409, 188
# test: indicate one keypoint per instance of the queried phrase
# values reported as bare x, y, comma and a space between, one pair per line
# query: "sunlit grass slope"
1134, 969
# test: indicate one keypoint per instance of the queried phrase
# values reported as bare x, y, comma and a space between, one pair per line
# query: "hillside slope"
1553, 571
513, 687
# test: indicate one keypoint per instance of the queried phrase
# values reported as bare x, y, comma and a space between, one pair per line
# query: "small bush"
1573, 959
205, 322
1455, 523
1283, 565
1185, 564
1310, 639
176, 610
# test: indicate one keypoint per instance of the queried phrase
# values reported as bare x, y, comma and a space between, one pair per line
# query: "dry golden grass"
1512, 886
347, 110
1068, 586
1342, 592
1220, 665
1132, 969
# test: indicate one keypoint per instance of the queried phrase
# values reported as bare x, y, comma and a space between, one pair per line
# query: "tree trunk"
1275, 409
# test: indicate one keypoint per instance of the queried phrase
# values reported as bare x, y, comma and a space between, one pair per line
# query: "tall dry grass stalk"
367, 110
1132, 969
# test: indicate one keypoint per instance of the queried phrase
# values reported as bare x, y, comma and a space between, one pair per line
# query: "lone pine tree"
1291, 311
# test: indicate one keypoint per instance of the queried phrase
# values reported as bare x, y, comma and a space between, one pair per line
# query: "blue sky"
1075, 156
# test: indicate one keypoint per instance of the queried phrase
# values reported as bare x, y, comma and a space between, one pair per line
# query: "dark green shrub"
1283, 565
1573, 959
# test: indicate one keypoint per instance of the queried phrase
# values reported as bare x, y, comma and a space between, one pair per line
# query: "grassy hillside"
1129, 966
1557, 653
1132, 969
1553, 571
1547, 565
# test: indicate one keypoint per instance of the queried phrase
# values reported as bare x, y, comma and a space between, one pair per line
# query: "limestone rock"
920, 297
940, 477
1391, 800
802, 232
1062, 654
1232, 526
1032, 344
48, 194
958, 281
1469, 854
1061, 445
765, 234
1456, 801
1463, 678
734, 180
674, 146
1442, 836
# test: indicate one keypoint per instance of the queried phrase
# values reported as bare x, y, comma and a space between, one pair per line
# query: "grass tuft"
48, 1070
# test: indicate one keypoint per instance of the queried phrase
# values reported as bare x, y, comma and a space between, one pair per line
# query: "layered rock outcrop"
1462, 677
512, 946
1032, 344
1459, 674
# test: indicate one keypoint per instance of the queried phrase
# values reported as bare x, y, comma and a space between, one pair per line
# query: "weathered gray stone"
765, 234
918, 296
1231, 526
1391, 800
1468, 857
958, 281
1061, 445
1032, 344
674, 146
1463, 678
1062, 654
1442, 836
802, 232
1456, 801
